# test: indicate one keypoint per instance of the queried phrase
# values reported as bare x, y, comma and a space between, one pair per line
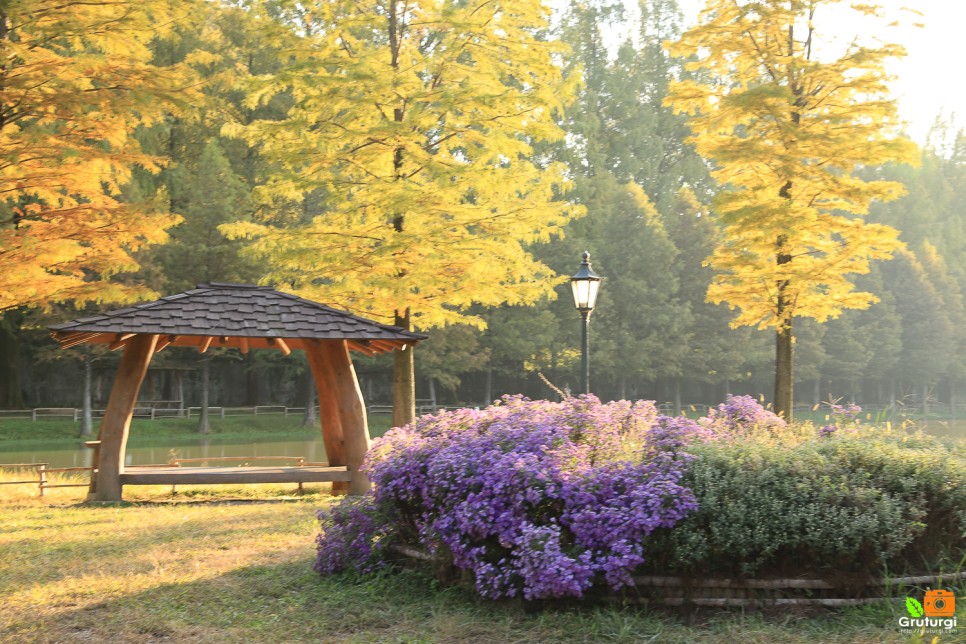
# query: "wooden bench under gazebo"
244, 317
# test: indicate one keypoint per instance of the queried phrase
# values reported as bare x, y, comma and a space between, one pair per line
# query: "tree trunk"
179, 380
432, 392
925, 400
11, 388
784, 372
251, 380
488, 389
817, 391
403, 379
204, 425
87, 417
784, 365
309, 419
677, 396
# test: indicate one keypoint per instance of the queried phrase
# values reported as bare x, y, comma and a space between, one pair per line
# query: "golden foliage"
76, 80
418, 122
787, 126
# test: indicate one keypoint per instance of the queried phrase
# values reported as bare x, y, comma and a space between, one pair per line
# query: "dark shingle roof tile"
241, 310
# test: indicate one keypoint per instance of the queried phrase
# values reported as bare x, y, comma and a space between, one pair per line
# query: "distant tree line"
231, 100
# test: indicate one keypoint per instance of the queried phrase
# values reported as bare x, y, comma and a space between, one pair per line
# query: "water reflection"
74, 453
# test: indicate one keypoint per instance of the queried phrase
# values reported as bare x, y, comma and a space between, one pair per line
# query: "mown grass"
196, 567
265, 427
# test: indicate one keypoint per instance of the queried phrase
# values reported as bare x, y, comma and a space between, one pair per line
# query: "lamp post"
585, 283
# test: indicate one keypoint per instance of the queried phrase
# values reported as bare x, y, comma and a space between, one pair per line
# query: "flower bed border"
729, 592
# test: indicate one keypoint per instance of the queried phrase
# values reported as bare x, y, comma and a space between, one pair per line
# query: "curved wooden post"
332, 434
350, 408
106, 484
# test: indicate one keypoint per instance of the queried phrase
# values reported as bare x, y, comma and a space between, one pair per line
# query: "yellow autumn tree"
416, 121
76, 79
787, 116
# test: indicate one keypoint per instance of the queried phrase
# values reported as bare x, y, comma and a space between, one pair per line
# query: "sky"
932, 76
929, 80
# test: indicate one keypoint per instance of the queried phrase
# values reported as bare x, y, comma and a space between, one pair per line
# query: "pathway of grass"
186, 569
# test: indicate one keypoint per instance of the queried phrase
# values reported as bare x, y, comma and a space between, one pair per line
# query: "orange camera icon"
939, 603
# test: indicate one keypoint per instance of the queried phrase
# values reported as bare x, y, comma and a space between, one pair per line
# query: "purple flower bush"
739, 414
843, 416
536, 498
540, 500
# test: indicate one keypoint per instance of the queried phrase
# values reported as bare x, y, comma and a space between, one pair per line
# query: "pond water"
75, 454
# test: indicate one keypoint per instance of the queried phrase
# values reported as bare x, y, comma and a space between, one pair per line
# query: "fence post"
42, 473
222, 411
33, 415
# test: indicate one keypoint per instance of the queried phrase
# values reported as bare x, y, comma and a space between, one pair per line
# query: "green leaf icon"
914, 607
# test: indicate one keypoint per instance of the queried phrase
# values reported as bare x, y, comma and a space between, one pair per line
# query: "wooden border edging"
721, 583
775, 584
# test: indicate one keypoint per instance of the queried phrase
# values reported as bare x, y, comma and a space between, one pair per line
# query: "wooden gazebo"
244, 317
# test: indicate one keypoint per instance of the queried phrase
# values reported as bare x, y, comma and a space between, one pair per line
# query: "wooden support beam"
384, 345
117, 418
117, 344
361, 347
205, 344
243, 344
352, 410
332, 434
162, 344
77, 338
279, 344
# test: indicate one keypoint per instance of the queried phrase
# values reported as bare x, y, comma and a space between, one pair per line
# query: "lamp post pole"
585, 350
585, 285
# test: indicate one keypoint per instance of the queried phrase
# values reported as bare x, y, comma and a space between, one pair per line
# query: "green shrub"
856, 501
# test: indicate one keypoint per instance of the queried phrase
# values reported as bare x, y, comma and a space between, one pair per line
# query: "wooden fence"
163, 409
40, 472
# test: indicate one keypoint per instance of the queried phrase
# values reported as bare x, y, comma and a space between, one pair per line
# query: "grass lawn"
197, 568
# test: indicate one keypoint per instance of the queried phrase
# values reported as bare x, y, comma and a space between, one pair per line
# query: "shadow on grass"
289, 602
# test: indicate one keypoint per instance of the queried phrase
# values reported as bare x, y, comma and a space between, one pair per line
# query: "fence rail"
149, 412
153, 410
41, 470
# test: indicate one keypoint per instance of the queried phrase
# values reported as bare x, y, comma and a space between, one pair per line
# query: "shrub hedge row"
544, 499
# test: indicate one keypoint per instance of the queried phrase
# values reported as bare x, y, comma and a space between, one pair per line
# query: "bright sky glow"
931, 78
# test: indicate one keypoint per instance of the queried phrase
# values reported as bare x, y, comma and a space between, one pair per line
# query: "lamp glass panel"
585, 293
581, 291
592, 287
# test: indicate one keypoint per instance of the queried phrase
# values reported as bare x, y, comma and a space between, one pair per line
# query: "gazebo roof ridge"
239, 315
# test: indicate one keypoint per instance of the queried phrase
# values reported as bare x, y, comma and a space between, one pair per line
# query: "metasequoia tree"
417, 122
787, 118
75, 80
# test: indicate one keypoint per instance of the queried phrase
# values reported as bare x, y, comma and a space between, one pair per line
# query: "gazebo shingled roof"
234, 315
246, 317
